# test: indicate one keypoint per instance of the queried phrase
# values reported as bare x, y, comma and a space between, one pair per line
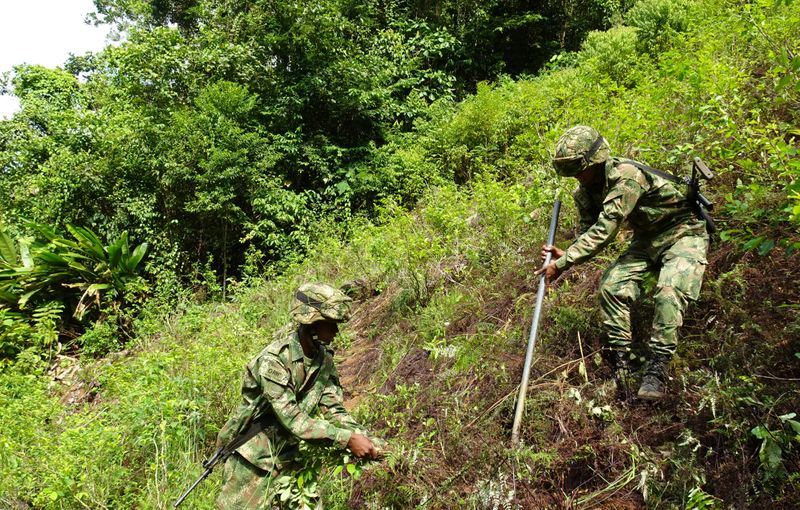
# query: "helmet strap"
593, 149
307, 300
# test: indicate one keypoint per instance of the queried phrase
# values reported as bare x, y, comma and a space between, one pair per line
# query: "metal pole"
526, 370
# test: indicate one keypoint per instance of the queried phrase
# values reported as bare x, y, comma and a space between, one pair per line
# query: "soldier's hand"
550, 272
361, 446
555, 250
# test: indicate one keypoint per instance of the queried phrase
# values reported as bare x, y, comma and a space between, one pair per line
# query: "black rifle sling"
255, 427
654, 171
694, 198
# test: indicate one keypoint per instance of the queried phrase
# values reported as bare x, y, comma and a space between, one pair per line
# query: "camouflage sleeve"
276, 387
332, 406
617, 205
587, 216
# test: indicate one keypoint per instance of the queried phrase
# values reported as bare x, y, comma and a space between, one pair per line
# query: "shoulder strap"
654, 171
313, 394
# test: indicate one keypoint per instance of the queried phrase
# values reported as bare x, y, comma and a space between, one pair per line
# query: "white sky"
44, 32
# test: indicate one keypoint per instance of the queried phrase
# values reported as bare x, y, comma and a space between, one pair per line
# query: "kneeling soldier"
290, 381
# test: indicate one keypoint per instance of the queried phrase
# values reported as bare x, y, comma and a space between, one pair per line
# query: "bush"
612, 54
658, 22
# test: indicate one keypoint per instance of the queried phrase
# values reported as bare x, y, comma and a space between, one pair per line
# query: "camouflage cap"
319, 302
579, 148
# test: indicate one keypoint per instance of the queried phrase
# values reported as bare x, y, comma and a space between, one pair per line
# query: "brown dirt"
586, 454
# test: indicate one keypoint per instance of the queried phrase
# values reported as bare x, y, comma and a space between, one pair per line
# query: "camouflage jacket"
295, 397
654, 207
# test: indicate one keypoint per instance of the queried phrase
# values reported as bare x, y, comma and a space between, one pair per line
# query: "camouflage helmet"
319, 302
579, 148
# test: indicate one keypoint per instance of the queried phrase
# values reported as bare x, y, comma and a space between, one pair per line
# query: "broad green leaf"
752, 243
25, 255
8, 250
51, 258
96, 287
8, 297
760, 432
136, 257
23, 299
123, 243
765, 247
114, 254
771, 454
46, 232
88, 240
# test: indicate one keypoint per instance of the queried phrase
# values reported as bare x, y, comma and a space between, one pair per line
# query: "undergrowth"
432, 357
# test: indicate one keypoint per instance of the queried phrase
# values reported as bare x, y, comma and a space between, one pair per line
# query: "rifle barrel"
526, 370
196, 482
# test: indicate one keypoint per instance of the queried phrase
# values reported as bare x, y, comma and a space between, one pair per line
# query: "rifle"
222, 454
526, 370
700, 203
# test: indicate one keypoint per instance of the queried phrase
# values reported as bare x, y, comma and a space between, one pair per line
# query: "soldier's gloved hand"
361, 446
555, 250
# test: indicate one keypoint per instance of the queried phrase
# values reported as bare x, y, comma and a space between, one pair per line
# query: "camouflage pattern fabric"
655, 209
316, 302
571, 148
680, 271
668, 240
286, 391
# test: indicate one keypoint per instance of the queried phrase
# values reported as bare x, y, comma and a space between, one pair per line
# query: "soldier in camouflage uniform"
293, 388
668, 241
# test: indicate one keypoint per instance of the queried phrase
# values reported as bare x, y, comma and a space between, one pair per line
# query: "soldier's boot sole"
651, 389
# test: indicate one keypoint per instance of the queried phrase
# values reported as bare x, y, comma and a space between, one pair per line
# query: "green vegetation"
253, 149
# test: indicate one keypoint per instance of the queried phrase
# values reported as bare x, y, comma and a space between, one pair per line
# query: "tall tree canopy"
220, 129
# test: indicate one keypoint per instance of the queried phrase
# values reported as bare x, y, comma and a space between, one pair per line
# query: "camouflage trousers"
679, 269
246, 487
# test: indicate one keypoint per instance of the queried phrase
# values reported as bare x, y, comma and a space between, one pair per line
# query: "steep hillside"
431, 360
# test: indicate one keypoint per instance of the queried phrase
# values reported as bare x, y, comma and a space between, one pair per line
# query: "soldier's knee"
615, 292
667, 294
669, 305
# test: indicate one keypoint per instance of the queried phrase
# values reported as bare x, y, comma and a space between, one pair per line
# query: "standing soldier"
668, 241
292, 380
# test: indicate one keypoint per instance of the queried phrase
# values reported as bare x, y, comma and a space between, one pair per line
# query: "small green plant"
322, 467
701, 500
774, 443
496, 493
42, 278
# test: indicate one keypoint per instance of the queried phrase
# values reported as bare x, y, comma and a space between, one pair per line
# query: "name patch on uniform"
275, 371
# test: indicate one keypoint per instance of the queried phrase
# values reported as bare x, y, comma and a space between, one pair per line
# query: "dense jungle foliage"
161, 199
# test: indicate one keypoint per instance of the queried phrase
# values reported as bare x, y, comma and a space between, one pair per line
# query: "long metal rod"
526, 370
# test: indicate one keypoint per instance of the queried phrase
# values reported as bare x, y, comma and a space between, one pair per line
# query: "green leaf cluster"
42, 276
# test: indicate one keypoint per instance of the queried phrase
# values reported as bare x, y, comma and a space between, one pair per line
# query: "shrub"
612, 54
658, 22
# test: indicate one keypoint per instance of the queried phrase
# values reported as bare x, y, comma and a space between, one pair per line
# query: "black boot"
654, 379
